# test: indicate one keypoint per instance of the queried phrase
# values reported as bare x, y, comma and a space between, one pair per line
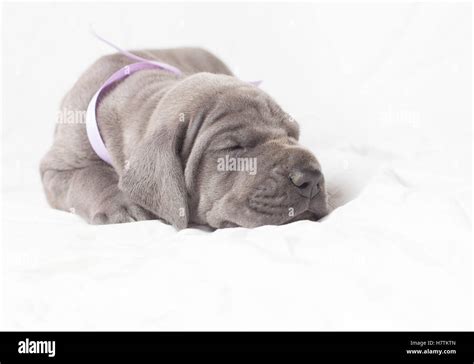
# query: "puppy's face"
242, 162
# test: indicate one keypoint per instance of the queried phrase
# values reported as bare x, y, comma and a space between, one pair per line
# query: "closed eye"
234, 148
231, 145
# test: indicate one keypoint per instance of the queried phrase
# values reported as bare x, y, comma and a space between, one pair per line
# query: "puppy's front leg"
93, 194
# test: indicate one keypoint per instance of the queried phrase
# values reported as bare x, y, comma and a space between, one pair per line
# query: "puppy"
199, 148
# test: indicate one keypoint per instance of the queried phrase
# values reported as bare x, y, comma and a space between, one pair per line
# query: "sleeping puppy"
202, 148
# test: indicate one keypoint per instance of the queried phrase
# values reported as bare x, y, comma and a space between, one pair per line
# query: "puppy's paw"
120, 210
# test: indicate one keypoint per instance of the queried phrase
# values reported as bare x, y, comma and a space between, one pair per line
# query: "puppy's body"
160, 129
124, 114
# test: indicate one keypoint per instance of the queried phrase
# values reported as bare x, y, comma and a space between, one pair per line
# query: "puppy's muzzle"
307, 181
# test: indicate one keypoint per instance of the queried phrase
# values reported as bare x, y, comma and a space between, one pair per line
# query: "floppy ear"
154, 178
154, 175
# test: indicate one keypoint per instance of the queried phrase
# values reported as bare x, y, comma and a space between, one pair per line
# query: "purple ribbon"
93, 133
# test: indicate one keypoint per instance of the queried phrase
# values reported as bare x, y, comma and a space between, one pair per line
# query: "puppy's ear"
153, 177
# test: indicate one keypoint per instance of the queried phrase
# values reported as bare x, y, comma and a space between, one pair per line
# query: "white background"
383, 96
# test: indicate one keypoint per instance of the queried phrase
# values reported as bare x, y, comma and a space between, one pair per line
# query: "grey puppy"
177, 143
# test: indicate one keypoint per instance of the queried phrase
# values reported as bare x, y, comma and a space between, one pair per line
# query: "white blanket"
382, 94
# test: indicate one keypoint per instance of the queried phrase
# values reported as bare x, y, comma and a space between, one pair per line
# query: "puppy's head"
223, 153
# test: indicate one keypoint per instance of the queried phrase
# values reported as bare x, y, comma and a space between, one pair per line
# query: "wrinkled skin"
168, 137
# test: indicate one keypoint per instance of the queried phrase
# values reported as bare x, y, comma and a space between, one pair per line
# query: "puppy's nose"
308, 182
